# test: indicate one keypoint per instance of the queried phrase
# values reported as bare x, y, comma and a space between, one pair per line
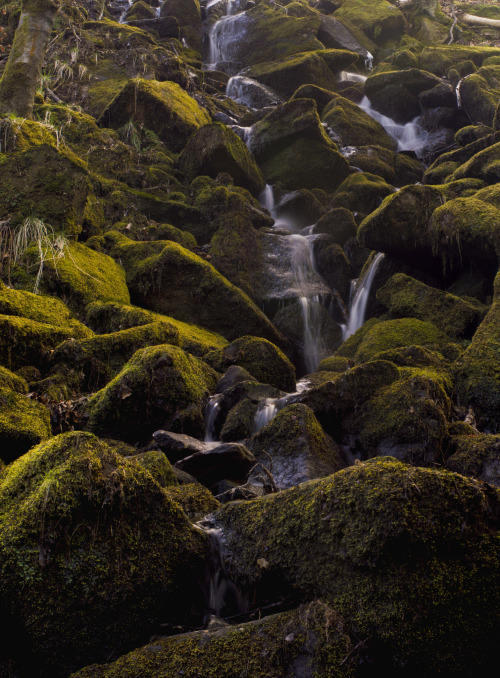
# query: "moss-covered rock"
361, 192
479, 94
439, 59
294, 447
483, 165
92, 552
41, 308
334, 363
477, 456
407, 297
406, 420
196, 500
292, 147
389, 334
52, 185
314, 68
216, 148
354, 126
82, 276
23, 424
158, 466
168, 279
108, 317
101, 357
265, 361
163, 107
373, 541
161, 387
378, 19
337, 223
188, 15
313, 637
12, 381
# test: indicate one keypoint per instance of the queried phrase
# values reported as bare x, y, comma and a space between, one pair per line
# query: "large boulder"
479, 94
188, 15
168, 279
294, 447
379, 20
216, 148
263, 360
23, 424
78, 583
406, 297
318, 68
477, 456
371, 539
292, 147
163, 107
161, 387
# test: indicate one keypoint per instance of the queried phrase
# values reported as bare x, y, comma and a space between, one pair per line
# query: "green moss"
13, 382
378, 19
313, 636
334, 364
160, 387
159, 466
480, 93
101, 357
106, 317
196, 500
87, 534
439, 60
407, 297
41, 308
361, 192
381, 336
23, 424
262, 359
483, 165
355, 127
397, 550
169, 279
476, 456
82, 276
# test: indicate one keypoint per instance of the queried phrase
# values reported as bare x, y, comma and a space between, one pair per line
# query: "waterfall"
223, 38
266, 410
211, 412
359, 299
221, 594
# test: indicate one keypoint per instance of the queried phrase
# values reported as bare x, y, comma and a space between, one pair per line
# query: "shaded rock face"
374, 561
84, 558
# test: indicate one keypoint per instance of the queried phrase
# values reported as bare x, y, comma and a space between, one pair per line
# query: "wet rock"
88, 556
251, 93
294, 448
233, 375
230, 460
300, 208
291, 146
265, 361
177, 445
475, 455
162, 107
339, 224
479, 94
216, 148
332, 264
442, 94
160, 387
334, 34
361, 192
406, 297
371, 539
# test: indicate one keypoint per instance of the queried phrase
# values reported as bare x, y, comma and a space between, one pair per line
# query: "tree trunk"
474, 20
24, 66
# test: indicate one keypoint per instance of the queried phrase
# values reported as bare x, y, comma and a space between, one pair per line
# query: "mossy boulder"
361, 192
161, 387
485, 164
477, 377
388, 334
12, 381
339, 224
23, 424
263, 360
101, 357
475, 455
479, 94
294, 447
82, 276
353, 125
109, 317
163, 107
157, 464
406, 420
394, 93
332, 264
439, 59
41, 308
406, 297
292, 147
378, 19
77, 579
371, 539
334, 363
398, 169
196, 500
168, 279
216, 148
188, 15
314, 68
312, 637
52, 185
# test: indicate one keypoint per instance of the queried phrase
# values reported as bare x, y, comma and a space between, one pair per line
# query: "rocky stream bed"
250, 342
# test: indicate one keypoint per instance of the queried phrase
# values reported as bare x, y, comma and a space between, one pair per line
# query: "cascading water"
359, 299
211, 412
223, 37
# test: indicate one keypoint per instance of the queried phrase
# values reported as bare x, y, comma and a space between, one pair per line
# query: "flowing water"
211, 412
359, 298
